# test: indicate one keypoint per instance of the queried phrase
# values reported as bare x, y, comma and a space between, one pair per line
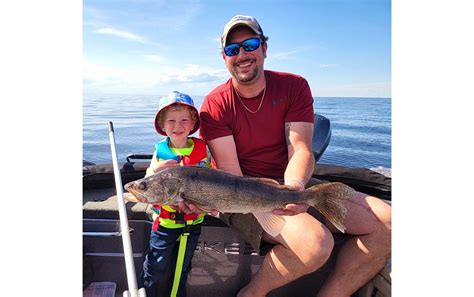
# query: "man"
260, 123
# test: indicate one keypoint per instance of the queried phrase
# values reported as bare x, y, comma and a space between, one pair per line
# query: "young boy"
176, 118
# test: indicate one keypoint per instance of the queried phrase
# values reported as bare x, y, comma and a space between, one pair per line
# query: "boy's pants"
162, 243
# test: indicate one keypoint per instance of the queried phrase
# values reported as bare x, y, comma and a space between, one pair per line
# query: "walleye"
216, 189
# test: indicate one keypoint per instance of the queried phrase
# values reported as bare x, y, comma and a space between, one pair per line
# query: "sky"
342, 47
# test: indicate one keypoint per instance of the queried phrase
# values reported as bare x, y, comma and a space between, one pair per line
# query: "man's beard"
243, 78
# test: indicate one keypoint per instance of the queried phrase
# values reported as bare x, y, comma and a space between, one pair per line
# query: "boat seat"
102, 204
99, 207
321, 135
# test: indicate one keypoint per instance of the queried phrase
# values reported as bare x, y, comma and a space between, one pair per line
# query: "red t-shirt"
259, 137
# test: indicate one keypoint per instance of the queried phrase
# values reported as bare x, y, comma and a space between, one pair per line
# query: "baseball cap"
175, 98
240, 20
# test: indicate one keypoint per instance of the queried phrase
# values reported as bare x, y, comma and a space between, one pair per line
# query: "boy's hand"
183, 206
160, 165
189, 207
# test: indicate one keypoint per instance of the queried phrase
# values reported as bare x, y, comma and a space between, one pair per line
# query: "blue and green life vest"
196, 155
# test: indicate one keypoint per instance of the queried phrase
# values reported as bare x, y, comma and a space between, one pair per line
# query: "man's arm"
300, 162
300, 166
224, 152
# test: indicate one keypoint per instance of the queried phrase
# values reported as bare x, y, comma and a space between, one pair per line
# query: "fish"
213, 189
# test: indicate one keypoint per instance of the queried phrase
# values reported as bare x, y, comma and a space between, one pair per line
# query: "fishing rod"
127, 244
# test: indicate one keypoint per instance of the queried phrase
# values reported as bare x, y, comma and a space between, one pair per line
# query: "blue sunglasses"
249, 45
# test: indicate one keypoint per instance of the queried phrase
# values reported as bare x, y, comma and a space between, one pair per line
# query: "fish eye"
142, 186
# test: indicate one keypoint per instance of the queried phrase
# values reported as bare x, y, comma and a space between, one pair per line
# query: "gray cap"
240, 20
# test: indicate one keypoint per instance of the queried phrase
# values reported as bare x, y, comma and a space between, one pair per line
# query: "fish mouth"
136, 193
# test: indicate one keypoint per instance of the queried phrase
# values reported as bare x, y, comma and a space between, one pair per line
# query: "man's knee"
383, 230
369, 215
384, 215
383, 211
316, 248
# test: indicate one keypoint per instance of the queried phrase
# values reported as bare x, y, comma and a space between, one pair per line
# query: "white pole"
127, 244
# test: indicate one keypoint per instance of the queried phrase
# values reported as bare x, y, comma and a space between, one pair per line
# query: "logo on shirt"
277, 101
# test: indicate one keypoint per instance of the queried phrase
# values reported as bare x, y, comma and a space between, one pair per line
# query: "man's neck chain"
259, 106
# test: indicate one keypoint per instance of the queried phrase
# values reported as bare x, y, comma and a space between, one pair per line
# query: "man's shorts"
249, 228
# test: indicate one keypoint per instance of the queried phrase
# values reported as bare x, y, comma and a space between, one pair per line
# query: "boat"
223, 262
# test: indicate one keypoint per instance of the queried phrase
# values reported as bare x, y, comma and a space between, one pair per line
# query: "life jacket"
198, 153
163, 152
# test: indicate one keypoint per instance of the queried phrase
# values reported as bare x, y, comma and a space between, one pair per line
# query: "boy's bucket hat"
175, 98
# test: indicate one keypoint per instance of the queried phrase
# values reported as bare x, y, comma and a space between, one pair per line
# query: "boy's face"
177, 125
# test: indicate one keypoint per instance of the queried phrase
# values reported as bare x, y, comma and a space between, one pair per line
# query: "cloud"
281, 56
172, 15
120, 34
194, 73
113, 79
289, 55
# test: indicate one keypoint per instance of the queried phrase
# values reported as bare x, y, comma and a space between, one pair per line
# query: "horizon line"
132, 94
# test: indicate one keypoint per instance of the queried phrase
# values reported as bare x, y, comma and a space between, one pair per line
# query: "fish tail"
329, 199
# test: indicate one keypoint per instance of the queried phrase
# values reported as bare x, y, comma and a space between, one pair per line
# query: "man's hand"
291, 209
294, 185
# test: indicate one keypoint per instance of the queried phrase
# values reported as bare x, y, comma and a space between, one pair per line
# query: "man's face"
246, 67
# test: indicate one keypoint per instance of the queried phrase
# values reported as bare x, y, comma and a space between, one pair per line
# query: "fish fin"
329, 199
272, 224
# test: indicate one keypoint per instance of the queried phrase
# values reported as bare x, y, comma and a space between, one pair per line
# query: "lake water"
361, 128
